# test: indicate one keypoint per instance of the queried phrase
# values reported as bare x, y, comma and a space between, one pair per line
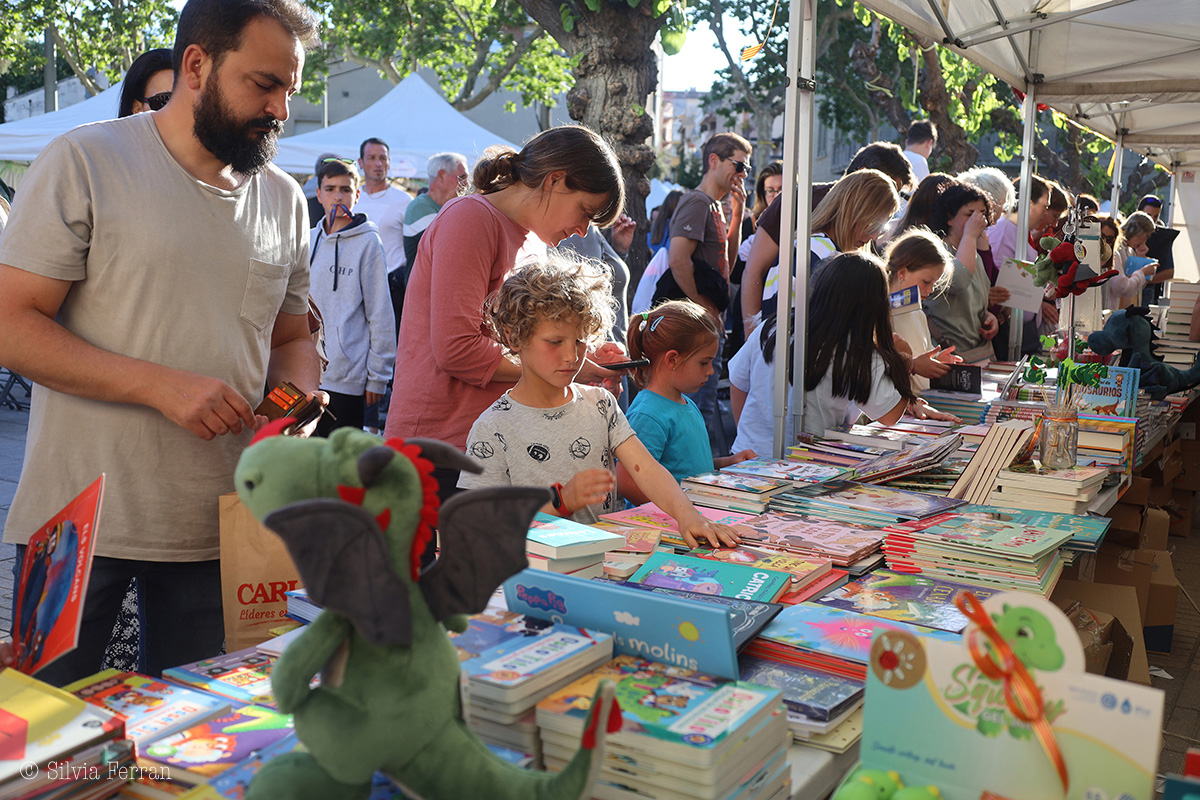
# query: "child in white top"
549, 430
918, 258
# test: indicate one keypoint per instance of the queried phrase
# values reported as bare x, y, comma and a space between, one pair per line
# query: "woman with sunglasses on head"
448, 370
148, 83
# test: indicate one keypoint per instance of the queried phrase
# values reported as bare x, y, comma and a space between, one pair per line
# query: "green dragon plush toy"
356, 514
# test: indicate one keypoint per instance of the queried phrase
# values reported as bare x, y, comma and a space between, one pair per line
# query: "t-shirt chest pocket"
266, 285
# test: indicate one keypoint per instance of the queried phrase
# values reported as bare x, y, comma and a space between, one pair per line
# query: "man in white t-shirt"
153, 279
383, 203
918, 144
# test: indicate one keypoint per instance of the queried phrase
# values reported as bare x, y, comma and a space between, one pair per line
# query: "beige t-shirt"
165, 269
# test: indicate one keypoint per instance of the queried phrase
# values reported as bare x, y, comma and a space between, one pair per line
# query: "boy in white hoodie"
349, 284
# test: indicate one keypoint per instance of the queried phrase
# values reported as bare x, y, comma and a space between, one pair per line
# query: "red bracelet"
560, 504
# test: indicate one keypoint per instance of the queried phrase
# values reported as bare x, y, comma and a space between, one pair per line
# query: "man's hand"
737, 197
622, 234
587, 488
998, 294
1049, 312
208, 407
595, 373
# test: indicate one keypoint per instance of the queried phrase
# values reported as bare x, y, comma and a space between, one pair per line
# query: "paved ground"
1182, 689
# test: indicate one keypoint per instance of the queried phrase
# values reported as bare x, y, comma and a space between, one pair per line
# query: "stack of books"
1175, 347
649, 515
1087, 532
810, 576
828, 640
866, 504
1033, 487
1002, 444
511, 662
712, 576
1107, 441
798, 473
568, 547
914, 599
151, 708
978, 550
924, 456
244, 676
831, 452
842, 543
78, 749
300, 606
734, 491
684, 735
817, 704
639, 544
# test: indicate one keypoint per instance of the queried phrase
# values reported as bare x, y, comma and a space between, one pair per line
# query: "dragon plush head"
356, 515
1129, 330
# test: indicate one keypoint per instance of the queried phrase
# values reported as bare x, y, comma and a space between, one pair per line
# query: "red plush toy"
1064, 254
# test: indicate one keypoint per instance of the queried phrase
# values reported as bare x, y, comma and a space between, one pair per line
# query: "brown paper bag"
256, 570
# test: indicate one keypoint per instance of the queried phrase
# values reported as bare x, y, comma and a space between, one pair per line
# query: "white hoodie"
349, 284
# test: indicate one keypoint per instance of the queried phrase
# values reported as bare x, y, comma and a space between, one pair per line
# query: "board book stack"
45, 725
805, 572
709, 576
865, 504
300, 607
978, 550
914, 599
511, 661
639, 544
684, 735
568, 547
1003, 443
1087, 532
734, 491
649, 515
1107, 441
817, 703
151, 708
828, 640
842, 543
813, 449
1031, 486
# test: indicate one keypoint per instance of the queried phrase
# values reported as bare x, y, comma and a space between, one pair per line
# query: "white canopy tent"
1124, 68
412, 118
23, 139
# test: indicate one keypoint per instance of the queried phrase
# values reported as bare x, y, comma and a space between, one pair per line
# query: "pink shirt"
444, 359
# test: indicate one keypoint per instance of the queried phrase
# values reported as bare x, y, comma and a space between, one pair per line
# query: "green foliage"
689, 172
105, 35
474, 46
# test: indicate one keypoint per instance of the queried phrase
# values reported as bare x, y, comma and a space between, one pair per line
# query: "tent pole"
1016, 328
1118, 171
796, 215
1170, 210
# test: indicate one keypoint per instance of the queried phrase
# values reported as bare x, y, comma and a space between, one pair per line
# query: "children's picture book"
152, 708
915, 599
212, 747
53, 582
555, 537
748, 616
707, 576
233, 782
1087, 533
739, 482
637, 540
934, 715
803, 570
816, 695
645, 624
796, 471
832, 632
649, 515
878, 499
1115, 395
43, 724
1017, 276
1008, 539
843, 541
244, 675
678, 714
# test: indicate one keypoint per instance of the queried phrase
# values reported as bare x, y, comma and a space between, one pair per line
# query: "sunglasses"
331, 159
738, 166
156, 101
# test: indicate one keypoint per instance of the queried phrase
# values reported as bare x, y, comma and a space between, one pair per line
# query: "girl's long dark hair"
849, 320
950, 201
766, 340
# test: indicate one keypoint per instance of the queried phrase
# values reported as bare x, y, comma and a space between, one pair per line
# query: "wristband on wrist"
560, 505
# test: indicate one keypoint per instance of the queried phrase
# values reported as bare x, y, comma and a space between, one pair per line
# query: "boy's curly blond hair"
558, 287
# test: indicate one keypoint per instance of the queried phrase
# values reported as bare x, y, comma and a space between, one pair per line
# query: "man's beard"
231, 140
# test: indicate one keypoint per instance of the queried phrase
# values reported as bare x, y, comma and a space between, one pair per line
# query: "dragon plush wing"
343, 560
482, 536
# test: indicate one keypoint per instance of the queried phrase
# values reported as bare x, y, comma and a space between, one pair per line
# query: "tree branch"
71, 55
547, 14
385, 65
497, 75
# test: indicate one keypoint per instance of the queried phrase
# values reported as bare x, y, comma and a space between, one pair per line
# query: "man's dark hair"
886, 157
1150, 200
920, 132
217, 25
332, 169
724, 144
362, 148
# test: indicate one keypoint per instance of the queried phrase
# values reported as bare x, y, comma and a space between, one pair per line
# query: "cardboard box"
1160, 610
1160, 495
1156, 526
1128, 659
1138, 491
1182, 512
1126, 517
1167, 466
1095, 634
1189, 475
1126, 567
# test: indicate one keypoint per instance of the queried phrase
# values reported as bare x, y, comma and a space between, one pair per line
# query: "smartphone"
641, 362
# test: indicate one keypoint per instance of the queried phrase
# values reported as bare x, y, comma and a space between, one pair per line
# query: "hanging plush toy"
1129, 330
356, 514
1061, 264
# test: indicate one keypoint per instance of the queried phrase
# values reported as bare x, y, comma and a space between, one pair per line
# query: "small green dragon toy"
356, 514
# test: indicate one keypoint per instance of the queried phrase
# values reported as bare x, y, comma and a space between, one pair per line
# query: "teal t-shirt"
674, 433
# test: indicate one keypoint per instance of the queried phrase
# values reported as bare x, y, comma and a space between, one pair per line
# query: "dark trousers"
179, 610
349, 409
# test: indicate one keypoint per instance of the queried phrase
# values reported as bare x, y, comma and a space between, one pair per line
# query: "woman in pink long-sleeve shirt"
448, 370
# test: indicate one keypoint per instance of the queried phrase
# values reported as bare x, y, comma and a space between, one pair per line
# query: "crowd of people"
158, 274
